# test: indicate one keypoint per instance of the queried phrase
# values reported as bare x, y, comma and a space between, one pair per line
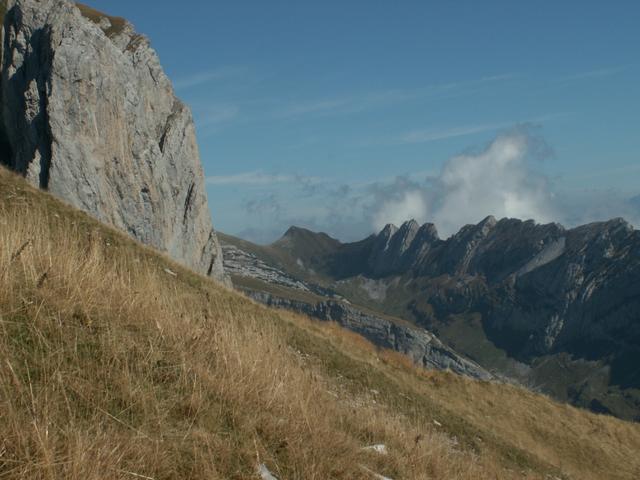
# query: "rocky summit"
89, 115
553, 308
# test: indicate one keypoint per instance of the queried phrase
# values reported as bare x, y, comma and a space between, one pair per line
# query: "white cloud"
496, 181
409, 205
502, 179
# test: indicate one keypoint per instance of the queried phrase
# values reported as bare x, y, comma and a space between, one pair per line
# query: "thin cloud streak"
201, 78
355, 103
425, 136
312, 107
215, 115
599, 73
433, 134
258, 178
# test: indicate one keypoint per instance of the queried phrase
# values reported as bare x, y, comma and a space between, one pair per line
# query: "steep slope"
89, 115
117, 363
272, 286
556, 309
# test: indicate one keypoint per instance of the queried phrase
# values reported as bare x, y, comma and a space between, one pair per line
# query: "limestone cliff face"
89, 115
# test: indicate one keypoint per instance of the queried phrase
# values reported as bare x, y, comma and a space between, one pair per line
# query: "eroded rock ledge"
422, 347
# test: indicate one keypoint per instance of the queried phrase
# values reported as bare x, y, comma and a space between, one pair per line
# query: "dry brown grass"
112, 368
117, 23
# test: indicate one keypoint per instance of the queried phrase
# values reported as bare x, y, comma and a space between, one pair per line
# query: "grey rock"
244, 264
89, 115
389, 248
422, 347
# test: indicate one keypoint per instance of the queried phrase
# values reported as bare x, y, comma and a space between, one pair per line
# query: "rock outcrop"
422, 347
89, 115
244, 264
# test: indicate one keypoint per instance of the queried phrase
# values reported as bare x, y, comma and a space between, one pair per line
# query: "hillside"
552, 308
118, 362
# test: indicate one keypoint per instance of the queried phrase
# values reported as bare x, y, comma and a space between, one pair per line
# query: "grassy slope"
112, 367
117, 23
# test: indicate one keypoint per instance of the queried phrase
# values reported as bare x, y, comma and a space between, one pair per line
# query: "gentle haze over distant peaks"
344, 116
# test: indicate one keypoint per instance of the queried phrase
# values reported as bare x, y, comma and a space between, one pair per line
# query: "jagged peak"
429, 230
613, 226
408, 228
295, 230
296, 237
620, 222
481, 228
409, 225
389, 230
611, 223
291, 235
406, 233
489, 221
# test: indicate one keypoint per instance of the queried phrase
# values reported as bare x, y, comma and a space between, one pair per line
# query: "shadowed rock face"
89, 115
562, 306
539, 287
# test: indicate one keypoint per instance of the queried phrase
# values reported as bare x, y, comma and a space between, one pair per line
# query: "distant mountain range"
555, 309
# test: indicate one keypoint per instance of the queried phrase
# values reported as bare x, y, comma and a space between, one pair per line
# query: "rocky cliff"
89, 115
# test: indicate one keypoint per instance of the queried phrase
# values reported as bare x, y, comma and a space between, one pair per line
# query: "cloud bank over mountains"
502, 179
498, 180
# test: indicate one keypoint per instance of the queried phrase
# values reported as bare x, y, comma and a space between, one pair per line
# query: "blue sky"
344, 115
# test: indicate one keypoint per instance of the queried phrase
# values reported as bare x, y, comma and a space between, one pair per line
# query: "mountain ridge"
534, 295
